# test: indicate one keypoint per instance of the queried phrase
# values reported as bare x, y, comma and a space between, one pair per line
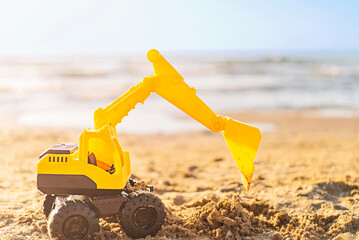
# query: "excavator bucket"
243, 142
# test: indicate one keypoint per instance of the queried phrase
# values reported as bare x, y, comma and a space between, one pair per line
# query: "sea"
64, 91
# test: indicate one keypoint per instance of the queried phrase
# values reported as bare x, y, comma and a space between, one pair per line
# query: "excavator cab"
100, 153
97, 167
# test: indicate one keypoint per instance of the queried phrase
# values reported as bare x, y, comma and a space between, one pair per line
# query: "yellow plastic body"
243, 140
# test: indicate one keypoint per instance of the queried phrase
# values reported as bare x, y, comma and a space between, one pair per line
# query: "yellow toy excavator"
86, 181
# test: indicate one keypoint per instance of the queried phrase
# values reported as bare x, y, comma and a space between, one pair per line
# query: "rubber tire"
141, 199
48, 204
72, 208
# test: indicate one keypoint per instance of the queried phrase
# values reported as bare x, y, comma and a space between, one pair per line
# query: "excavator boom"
242, 139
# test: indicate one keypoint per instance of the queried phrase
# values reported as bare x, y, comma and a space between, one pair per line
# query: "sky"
67, 27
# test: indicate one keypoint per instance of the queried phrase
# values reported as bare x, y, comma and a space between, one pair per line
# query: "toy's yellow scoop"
243, 142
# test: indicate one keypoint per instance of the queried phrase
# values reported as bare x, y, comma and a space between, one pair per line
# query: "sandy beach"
288, 68
305, 186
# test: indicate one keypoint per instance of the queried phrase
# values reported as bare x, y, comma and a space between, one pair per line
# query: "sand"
306, 183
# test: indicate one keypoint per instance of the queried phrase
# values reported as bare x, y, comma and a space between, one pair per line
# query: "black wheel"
73, 220
142, 214
48, 205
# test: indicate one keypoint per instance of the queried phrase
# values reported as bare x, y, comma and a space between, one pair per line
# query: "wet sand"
305, 186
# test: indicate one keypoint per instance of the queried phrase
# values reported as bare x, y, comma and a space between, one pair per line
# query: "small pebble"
229, 235
192, 168
277, 236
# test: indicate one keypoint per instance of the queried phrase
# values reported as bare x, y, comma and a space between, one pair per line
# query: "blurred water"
64, 92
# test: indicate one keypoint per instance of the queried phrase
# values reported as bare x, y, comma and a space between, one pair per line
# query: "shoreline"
177, 122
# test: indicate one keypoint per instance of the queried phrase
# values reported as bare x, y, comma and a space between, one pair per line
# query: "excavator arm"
242, 139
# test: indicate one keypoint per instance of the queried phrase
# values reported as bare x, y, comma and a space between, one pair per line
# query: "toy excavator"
86, 181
